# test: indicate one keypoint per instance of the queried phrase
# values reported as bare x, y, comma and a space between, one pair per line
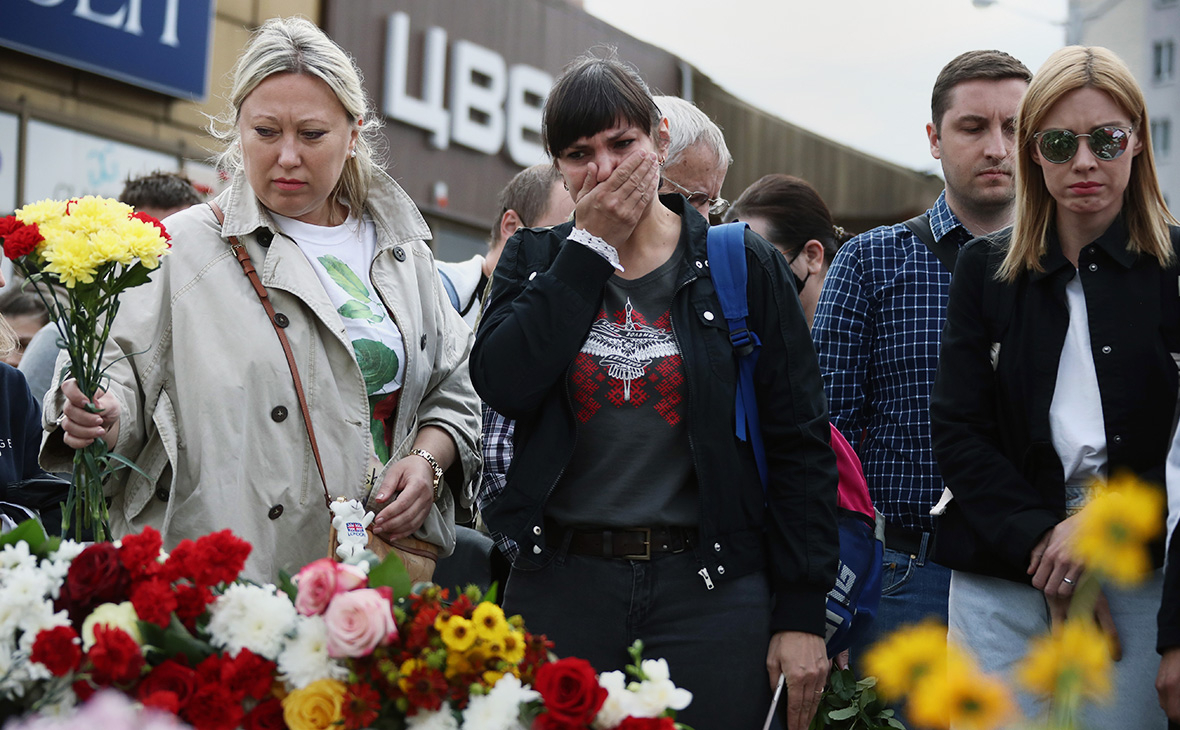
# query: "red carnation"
58, 649
267, 715
249, 674
163, 700
115, 656
8, 224
213, 708
139, 552
571, 693
154, 221
647, 723
96, 576
177, 564
84, 690
154, 601
219, 558
21, 239
191, 601
169, 678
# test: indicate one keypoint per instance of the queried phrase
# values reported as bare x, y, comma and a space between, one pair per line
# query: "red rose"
571, 693
21, 239
248, 674
219, 558
139, 552
266, 715
213, 708
154, 601
58, 649
154, 221
115, 656
170, 677
647, 723
96, 576
162, 700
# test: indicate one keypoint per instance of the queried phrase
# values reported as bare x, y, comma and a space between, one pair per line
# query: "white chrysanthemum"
444, 719
17, 555
67, 550
257, 618
305, 658
24, 594
500, 708
657, 694
619, 701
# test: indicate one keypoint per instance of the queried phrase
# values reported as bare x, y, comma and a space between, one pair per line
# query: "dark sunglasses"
1060, 145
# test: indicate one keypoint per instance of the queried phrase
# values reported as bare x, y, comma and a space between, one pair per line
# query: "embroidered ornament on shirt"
627, 349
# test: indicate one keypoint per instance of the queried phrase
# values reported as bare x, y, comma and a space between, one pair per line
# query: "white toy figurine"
350, 520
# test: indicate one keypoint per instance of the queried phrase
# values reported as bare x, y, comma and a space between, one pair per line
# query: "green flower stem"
1068, 698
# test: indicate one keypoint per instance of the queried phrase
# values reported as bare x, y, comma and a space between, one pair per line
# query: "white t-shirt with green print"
341, 256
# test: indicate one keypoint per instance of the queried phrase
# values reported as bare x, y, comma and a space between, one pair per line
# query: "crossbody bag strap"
264, 297
946, 250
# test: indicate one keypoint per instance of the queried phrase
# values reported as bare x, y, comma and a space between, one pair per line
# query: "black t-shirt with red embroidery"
632, 465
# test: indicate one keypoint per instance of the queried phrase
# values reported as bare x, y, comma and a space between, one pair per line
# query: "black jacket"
545, 296
991, 428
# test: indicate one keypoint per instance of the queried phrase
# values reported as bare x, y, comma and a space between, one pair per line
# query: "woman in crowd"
638, 513
204, 400
1055, 371
790, 214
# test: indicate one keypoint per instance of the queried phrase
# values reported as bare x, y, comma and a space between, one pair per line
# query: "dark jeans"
715, 641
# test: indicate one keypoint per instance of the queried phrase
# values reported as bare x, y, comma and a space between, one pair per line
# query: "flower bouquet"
80, 255
340, 646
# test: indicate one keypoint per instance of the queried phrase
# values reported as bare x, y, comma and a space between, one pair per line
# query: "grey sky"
857, 71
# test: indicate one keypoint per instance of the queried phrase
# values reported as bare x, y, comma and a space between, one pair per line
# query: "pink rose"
350, 577
359, 621
317, 584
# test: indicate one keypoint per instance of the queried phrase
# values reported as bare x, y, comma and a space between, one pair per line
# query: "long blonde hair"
1144, 209
8, 338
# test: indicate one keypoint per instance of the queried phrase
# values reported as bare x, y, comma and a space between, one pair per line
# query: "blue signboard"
161, 45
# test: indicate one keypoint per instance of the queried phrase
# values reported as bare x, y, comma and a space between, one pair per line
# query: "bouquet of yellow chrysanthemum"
80, 255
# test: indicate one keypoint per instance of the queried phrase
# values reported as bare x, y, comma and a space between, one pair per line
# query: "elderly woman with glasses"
638, 512
1056, 370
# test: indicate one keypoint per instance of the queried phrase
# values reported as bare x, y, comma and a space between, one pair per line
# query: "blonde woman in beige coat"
204, 401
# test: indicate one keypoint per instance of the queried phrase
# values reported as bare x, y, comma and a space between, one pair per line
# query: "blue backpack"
852, 603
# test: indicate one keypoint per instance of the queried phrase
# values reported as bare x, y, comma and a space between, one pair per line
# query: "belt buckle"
646, 554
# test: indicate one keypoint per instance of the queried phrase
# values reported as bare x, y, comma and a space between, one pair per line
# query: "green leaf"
127, 463
286, 585
345, 278
378, 363
844, 714
490, 596
354, 309
391, 572
30, 531
174, 640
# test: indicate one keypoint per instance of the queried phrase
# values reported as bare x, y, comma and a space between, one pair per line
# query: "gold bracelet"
438, 471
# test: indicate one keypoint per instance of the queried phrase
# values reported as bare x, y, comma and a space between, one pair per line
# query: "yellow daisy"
457, 633
1074, 660
513, 647
1115, 527
962, 697
490, 623
899, 660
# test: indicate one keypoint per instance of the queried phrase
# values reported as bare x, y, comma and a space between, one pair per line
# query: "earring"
352, 153
565, 185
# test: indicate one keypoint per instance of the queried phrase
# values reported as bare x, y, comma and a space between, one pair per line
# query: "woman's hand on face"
612, 208
80, 425
1054, 568
407, 493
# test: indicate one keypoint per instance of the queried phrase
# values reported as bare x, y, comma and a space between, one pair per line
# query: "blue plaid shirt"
497, 455
878, 325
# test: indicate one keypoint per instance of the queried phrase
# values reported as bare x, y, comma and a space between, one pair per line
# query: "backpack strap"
727, 267
946, 251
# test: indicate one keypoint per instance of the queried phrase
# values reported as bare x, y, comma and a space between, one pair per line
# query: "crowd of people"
558, 415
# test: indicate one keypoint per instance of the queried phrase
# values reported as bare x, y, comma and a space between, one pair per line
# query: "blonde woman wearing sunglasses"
1056, 369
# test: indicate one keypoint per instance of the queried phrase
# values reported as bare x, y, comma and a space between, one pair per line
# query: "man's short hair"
969, 66
528, 194
687, 126
161, 190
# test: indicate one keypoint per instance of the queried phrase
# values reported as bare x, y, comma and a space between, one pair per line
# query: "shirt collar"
1113, 241
944, 221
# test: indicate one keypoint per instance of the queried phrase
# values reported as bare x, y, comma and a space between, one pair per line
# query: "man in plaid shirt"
878, 323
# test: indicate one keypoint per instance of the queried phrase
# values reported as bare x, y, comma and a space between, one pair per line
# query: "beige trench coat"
209, 409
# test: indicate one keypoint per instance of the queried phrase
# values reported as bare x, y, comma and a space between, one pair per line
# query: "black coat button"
399, 253
282, 320
422, 342
162, 494
279, 414
264, 236
275, 512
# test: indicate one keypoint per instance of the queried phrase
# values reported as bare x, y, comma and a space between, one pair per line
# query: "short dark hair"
159, 190
969, 66
528, 194
794, 212
594, 94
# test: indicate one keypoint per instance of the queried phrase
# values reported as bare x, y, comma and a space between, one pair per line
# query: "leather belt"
904, 540
629, 543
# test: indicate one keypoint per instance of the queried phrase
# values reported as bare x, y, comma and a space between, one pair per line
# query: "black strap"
946, 250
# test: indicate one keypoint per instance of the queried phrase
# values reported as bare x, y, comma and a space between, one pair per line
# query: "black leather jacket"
546, 294
991, 427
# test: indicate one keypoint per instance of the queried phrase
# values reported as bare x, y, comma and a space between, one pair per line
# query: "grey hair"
296, 45
688, 125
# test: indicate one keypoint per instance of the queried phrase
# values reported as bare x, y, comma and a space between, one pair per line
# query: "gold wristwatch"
438, 472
